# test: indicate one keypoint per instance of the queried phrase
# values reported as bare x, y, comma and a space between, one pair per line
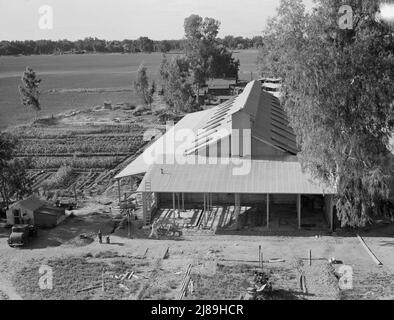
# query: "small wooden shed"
36, 212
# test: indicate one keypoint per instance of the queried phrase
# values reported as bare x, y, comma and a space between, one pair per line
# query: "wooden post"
310, 257
268, 211
331, 208
145, 209
102, 281
262, 260
119, 191
128, 224
173, 201
183, 201
299, 211
205, 202
260, 256
75, 194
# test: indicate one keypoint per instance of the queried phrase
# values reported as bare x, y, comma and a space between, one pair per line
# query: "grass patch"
70, 275
230, 282
227, 284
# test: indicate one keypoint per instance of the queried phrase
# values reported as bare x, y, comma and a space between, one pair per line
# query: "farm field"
88, 141
76, 81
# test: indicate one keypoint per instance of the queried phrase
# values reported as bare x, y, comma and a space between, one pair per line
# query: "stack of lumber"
185, 283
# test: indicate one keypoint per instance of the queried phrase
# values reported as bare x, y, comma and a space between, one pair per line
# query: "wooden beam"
371, 254
331, 213
119, 196
173, 200
183, 201
268, 211
145, 212
299, 210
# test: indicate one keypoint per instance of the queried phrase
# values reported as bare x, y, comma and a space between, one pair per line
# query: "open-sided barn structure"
240, 153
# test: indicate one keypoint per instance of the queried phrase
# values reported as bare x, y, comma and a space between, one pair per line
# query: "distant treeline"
89, 45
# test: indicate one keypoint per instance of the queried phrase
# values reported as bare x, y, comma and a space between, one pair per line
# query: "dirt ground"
161, 279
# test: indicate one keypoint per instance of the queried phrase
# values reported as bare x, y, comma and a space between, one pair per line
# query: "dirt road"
205, 251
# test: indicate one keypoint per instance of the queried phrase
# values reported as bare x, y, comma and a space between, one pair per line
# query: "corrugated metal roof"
270, 126
156, 149
264, 176
31, 203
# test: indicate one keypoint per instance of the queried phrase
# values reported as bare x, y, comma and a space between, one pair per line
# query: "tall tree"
338, 87
204, 53
14, 180
141, 85
177, 88
29, 90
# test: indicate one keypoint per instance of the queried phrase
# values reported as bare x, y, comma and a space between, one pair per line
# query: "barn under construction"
232, 166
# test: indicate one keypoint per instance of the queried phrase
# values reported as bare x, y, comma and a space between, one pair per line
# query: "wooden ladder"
148, 187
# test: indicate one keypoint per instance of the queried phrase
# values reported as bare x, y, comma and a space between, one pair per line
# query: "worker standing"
154, 233
100, 237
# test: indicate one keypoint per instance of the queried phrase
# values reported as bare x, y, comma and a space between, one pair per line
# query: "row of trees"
339, 93
233, 43
142, 44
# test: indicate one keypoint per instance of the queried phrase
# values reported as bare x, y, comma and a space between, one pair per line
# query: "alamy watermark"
345, 20
346, 277
346, 14
45, 20
45, 281
185, 146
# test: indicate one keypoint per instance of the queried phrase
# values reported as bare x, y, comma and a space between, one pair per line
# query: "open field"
222, 266
66, 78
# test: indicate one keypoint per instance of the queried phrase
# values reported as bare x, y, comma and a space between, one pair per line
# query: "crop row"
29, 132
78, 163
83, 144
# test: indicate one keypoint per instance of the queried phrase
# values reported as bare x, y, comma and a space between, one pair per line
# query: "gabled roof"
253, 109
32, 203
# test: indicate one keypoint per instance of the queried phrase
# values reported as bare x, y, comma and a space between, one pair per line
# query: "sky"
128, 19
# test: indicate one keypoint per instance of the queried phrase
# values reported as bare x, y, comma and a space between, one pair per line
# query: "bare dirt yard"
223, 266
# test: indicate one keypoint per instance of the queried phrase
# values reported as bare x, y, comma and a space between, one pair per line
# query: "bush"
60, 179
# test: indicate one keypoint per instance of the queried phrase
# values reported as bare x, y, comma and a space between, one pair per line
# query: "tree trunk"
198, 94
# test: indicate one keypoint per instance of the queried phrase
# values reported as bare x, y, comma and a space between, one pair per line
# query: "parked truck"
21, 234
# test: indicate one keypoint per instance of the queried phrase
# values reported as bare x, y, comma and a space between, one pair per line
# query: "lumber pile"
185, 283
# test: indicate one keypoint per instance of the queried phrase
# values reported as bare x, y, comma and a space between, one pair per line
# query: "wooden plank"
299, 211
221, 218
228, 217
268, 211
185, 282
199, 215
369, 251
217, 220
